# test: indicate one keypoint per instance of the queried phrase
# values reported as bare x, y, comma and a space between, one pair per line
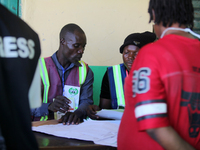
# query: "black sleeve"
105, 87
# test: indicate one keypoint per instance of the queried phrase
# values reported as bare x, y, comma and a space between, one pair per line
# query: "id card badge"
72, 93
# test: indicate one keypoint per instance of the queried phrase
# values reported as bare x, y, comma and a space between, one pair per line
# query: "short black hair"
71, 27
172, 11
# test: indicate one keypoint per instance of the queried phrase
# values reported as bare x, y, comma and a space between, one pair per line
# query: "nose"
81, 50
131, 55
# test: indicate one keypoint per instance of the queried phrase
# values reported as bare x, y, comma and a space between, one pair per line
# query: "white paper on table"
100, 132
111, 113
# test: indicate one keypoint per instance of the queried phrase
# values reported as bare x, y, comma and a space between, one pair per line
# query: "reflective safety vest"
116, 76
51, 79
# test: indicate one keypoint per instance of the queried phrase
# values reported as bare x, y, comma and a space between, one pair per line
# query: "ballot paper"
111, 113
72, 93
100, 132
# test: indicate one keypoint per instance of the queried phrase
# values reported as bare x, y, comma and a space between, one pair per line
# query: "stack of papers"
100, 132
111, 113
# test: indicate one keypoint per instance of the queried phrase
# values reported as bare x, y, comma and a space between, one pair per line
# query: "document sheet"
100, 132
111, 113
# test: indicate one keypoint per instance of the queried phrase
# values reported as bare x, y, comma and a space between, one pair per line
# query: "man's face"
129, 54
73, 46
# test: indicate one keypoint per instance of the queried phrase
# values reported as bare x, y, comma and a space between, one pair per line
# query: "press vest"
52, 85
116, 76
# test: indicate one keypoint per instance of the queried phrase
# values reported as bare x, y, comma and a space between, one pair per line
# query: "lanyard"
63, 77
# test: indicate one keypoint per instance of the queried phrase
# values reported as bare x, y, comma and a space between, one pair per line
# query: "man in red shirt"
162, 91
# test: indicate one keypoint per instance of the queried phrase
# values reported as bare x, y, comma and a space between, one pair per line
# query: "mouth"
130, 63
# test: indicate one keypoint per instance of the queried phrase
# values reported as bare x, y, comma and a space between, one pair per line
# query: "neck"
175, 29
63, 61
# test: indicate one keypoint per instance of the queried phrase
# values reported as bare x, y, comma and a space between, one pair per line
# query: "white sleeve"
34, 94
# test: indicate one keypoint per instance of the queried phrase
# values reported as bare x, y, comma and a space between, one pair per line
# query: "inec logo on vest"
73, 91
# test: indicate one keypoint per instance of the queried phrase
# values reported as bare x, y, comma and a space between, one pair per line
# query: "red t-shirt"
162, 89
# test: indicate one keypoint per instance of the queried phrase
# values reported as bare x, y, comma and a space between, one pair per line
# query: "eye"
76, 45
125, 52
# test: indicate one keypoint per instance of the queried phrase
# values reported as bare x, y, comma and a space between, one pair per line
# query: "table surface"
50, 142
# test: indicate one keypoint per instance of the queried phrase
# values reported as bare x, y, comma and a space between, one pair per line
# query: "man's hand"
60, 103
91, 111
69, 118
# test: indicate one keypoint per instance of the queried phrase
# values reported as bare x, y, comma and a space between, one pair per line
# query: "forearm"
86, 95
168, 138
41, 111
82, 110
105, 103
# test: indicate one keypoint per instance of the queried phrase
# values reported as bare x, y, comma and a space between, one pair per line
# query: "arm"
43, 109
60, 104
105, 103
92, 110
86, 95
35, 90
85, 99
168, 138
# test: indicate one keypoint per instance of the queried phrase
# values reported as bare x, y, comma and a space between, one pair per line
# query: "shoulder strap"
117, 75
45, 80
82, 72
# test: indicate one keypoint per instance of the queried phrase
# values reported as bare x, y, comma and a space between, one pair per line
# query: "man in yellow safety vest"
66, 81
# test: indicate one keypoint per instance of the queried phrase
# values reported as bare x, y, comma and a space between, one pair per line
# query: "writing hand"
60, 103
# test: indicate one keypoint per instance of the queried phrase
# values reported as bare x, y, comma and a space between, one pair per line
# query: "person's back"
19, 53
162, 89
181, 81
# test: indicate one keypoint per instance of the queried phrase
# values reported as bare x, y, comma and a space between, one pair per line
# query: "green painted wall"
12, 5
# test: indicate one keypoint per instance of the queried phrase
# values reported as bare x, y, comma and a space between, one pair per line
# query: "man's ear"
62, 41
